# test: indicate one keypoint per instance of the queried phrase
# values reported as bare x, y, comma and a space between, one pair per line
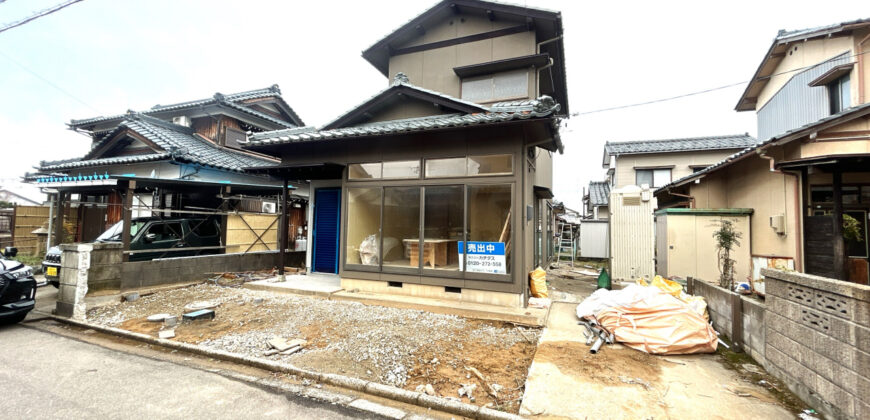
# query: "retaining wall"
752, 314
818, 341
165, 271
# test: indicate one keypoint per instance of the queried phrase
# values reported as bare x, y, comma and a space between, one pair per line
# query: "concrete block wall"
818, 341
719, 307
74, 262
104, 272
166, 271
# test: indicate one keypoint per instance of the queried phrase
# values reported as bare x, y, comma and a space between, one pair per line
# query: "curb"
341, 381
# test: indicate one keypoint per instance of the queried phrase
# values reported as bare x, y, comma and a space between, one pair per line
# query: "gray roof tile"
232, 100
599, 193
499, 112
737, 141
178, 143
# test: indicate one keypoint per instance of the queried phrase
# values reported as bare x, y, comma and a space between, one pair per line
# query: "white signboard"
483, 257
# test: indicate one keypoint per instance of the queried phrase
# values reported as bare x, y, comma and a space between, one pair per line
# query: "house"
596, 200
167, 157
634, 168
434, 186
801, 199
809, 171
658, 162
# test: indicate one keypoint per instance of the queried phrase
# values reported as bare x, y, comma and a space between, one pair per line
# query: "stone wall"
818, 341
720, 307
165, 271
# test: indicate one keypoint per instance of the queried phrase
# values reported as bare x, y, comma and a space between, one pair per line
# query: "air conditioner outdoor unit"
268, 207
181, 120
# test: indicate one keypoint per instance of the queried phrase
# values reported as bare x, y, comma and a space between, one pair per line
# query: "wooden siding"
30, 218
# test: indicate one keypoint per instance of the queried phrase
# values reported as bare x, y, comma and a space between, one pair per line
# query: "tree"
727, 238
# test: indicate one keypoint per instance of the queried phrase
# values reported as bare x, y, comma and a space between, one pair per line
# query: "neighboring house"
17, 197
634, 169
810, 170
596, 200
184, 154
432, 186
658, 162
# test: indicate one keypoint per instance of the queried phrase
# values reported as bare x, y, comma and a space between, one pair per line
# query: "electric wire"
39, 14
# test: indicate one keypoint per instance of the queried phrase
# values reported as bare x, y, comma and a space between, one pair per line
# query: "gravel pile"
382, 338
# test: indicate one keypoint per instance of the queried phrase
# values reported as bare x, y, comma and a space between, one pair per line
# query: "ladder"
566, 242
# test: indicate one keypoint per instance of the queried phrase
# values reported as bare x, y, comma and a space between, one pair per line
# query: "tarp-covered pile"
657, 319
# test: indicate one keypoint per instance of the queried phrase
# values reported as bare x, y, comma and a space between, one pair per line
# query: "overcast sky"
103, 57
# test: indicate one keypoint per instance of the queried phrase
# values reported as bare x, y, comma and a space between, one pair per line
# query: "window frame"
652, 172
381, 177
492, 79
839, 94
465, 167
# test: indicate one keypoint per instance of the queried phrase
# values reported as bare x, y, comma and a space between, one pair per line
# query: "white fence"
594, 239
632, 233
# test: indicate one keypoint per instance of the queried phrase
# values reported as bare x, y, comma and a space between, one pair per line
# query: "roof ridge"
681, 139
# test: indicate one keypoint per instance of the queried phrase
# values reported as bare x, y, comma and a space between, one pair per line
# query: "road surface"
43, 375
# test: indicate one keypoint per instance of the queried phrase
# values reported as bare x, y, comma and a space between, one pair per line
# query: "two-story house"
432, 187
181, 154
809, 172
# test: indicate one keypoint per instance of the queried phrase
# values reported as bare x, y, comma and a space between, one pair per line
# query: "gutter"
798, 258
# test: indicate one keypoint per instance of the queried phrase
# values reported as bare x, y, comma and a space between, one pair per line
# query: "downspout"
861, 69
798, 256
550, 64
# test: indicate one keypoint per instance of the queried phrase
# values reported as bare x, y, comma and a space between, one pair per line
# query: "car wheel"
14, 319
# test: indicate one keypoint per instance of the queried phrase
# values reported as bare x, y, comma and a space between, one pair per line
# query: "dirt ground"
399, 347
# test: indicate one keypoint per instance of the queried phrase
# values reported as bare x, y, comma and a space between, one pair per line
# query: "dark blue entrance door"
327, 206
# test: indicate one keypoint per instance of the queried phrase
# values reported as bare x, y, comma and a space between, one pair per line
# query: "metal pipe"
596, 346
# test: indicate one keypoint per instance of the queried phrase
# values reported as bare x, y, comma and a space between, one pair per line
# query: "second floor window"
655, 178
839, 95
496, 87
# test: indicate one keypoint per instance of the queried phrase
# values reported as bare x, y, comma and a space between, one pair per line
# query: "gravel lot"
399, 347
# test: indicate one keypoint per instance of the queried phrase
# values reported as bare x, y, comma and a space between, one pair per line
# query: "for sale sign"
483, 257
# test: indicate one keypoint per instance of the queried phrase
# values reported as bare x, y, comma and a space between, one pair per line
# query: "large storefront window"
401, 226
444, 225
364, 222
488, 249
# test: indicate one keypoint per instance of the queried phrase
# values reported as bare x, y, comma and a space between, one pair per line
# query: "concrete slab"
535, 317
566, 381
310, 285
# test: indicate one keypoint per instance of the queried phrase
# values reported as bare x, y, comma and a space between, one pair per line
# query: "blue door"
327, 206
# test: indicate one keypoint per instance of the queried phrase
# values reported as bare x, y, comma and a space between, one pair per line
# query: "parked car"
151, 233
17, 288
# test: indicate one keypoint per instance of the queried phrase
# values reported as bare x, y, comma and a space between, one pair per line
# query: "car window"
113, 234
165, 231
204, 227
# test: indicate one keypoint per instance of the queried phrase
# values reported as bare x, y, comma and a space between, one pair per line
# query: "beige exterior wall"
803, 54
685, 246
408, 109
544, 169
750, 184
682, 163
433, 69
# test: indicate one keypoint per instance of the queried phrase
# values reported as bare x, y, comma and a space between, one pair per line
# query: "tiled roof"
497, 113
232, 100
819, 30
854, 111
400, 82
178, 143
737, 141
599, 193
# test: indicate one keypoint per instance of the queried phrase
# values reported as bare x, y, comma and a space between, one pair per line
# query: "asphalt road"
43, 375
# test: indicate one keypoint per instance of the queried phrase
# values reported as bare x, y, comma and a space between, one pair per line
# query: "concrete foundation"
434, 292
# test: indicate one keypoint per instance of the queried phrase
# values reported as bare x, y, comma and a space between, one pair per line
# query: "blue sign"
483, 257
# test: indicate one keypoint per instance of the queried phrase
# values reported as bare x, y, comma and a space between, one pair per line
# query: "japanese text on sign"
483, 257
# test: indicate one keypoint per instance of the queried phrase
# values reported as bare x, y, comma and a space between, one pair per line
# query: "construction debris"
200, 314
158, 317
170, 321
237, 279
131, 297
166, 334
199, 305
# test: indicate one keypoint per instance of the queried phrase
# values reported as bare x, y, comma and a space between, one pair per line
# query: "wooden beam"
127, 219
282, 229
839, 244
461, 40
58, 219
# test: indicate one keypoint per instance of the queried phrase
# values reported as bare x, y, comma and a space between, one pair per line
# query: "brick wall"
818, 341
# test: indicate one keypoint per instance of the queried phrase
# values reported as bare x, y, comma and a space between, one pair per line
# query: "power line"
23, 67
700, 92
38, 14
